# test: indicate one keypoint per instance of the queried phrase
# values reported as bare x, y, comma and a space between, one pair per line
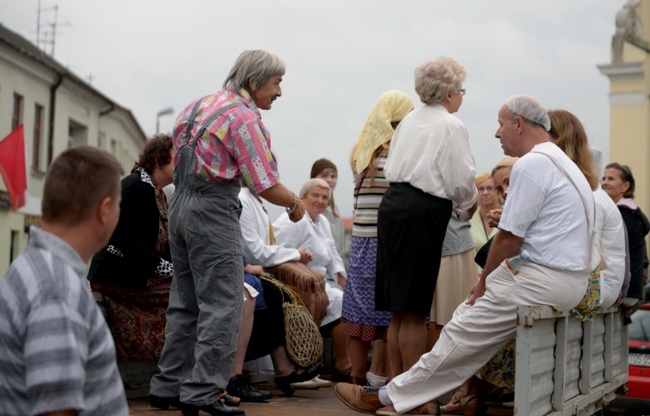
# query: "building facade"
58, 110
629, 95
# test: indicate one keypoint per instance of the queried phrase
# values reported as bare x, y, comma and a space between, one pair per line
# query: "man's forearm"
280, 195
505, 245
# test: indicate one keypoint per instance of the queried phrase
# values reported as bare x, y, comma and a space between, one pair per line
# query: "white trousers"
477, 332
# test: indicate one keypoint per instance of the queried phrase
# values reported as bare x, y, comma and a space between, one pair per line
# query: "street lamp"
165, 112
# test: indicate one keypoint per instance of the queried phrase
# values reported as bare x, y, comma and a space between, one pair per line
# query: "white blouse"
430, 150
256, 241
315, 236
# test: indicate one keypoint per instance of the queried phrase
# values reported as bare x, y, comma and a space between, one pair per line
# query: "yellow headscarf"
392, 106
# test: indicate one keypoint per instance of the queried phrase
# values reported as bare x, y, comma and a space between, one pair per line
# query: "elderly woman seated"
313, 233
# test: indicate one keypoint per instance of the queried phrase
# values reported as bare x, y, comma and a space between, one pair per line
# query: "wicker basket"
304, 343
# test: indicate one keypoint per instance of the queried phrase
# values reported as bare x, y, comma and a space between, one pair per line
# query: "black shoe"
164, 402
240, 387
284, 382
216, 408
229, 400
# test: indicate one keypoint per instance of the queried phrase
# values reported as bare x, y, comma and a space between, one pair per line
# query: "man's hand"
477, 291
305, 255
494, 216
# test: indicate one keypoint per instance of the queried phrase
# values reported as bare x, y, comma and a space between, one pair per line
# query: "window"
38, 136
77, 134
17, 116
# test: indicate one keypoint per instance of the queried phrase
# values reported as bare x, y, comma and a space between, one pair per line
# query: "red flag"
12, 166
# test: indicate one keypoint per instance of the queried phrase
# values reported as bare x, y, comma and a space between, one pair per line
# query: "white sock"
383, 397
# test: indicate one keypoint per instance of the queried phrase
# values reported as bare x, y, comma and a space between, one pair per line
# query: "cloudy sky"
341, 55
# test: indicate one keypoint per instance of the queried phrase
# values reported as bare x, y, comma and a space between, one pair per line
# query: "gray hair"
256, 64
434, 79
313, 184
530, 108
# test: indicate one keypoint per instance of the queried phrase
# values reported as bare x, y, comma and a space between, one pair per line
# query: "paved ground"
320, 402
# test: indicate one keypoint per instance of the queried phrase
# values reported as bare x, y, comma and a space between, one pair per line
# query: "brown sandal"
467, 400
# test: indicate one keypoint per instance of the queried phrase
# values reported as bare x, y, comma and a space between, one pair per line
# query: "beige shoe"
361, 399
312, 384
430, 408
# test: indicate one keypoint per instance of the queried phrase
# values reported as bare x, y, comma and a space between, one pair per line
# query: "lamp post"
164, 112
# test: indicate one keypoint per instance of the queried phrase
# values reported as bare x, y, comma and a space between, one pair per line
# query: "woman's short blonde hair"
434, 79
313, 184
482, 178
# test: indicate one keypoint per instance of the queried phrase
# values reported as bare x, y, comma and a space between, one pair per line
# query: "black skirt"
411, 228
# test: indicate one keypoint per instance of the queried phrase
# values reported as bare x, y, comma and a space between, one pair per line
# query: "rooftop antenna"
47, 37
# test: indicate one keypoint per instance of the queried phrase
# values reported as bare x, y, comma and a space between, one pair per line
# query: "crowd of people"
197, 283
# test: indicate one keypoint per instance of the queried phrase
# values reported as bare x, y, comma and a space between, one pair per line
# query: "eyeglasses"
462, 91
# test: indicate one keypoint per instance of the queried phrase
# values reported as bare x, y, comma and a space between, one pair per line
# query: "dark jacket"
136, 237
637, 226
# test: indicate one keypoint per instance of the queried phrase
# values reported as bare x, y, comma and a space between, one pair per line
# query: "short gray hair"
313, 184
529, 108
434, 79
256, 64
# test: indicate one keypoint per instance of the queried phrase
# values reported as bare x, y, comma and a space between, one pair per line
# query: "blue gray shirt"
56, 351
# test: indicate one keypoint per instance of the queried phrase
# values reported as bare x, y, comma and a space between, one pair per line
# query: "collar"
145, 177
627, 202
246, 99
42, 239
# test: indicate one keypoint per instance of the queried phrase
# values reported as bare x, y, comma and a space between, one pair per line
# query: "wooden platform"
320, 402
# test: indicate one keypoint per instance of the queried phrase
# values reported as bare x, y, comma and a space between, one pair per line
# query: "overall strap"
192, 117
210, 120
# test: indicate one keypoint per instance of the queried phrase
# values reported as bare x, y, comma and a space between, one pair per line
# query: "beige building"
629, 96
58, 110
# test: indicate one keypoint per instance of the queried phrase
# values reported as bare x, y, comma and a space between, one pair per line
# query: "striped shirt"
367, 197
56, 352
235, 145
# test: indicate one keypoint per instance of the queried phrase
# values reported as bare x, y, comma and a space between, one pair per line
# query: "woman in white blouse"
430, 168
313, 233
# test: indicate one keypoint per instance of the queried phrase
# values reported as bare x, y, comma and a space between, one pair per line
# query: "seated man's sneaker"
359, 398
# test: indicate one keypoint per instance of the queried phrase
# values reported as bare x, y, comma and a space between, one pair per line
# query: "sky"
341, 55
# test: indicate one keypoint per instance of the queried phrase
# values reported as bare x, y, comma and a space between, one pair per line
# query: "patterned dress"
137, 315
359, 314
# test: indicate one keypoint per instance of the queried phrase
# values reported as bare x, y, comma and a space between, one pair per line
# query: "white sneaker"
312, 384
375, 380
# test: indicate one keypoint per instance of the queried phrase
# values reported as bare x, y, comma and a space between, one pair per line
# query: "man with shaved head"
549, 213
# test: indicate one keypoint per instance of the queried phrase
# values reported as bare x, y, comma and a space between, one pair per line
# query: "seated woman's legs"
238, 385
268, 337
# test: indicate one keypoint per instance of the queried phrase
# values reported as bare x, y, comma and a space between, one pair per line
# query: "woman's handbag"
304, 343
307, 283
